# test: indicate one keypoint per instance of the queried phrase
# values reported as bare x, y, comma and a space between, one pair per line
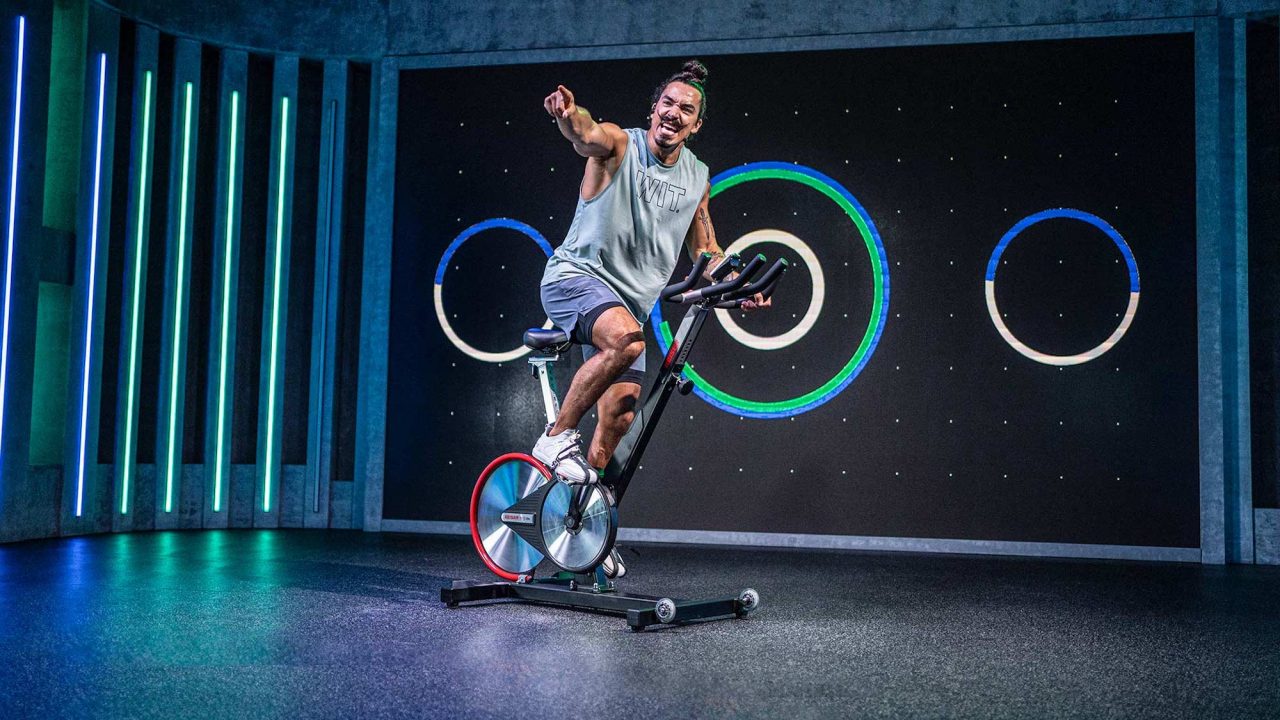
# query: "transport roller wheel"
749, 599
504, 482
665, 609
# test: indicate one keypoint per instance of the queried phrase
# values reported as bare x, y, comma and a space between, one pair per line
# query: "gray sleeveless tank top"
629, 235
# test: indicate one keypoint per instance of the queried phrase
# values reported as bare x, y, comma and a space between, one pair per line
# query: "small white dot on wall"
499, 414
953, 157
846, 314
745, 114
1059, 477
739, 469
896, 473
897, 367
450, 413
951, 210
690, 417
951, 422
793, 212
453, 364
1006, 157
1059, 262
1059, 422
744, 214
641, 467
846, 109
459, 172
899, 159
951, 367
690, 468
450, 462
797, 112
896, 420
793, 367
553, 169
951, 107
1006, 104
502, 267
1059, 314
504, 169
1059, 102
793, 471
1117, 102
951, 474
951, 314
1006, 422
899, 109
1006, 209
1117, 424
1115, 154
462, 124
551, 217
844, 419
792, 419
844, 472
1006, 475
1059, 154
899, 212
846, 162
500, 316
742, 367
951, 262
508, 122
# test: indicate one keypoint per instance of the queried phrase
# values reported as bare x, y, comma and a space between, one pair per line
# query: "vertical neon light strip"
13, 205
137, 291
226, 302
93, 273
175, 351
275, 303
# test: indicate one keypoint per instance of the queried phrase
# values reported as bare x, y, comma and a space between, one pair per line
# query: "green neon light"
275, 303
177, 307
877, 282
137, 293
226, 303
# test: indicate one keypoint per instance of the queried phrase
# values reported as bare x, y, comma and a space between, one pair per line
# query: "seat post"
547, 380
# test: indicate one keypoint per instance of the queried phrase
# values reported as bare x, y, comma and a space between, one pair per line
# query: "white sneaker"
562, 455
613, 567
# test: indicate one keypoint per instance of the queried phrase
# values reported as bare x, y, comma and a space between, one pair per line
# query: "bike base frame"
579, 592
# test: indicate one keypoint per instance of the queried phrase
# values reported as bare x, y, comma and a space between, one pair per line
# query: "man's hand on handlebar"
756, 302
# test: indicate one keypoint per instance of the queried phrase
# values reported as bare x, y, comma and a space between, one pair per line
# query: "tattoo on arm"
706, 224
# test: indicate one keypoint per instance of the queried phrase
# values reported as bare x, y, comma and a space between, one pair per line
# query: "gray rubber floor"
302, 624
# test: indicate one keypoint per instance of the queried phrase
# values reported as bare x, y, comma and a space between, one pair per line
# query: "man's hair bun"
695, 70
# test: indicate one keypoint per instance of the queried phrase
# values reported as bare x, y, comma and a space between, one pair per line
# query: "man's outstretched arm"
589, 138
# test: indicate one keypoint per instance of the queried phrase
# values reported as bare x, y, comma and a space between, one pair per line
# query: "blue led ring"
438, 293
1134, 287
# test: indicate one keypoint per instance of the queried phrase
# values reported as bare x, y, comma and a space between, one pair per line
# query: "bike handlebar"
720, 288
763, 287
699, 264
729, 293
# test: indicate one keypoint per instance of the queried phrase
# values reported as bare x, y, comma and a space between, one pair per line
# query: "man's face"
675, 117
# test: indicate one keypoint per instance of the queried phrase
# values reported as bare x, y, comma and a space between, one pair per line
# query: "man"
638, 203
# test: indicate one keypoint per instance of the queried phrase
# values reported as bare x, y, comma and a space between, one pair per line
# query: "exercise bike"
524, 518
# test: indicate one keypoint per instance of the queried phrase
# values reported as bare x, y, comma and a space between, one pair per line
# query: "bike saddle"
554, 340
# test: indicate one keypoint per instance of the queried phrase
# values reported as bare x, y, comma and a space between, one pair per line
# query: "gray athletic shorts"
573, 305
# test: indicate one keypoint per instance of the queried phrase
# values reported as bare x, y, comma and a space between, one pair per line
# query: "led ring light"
439, 289
879, 306
1129, 312
807, 322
